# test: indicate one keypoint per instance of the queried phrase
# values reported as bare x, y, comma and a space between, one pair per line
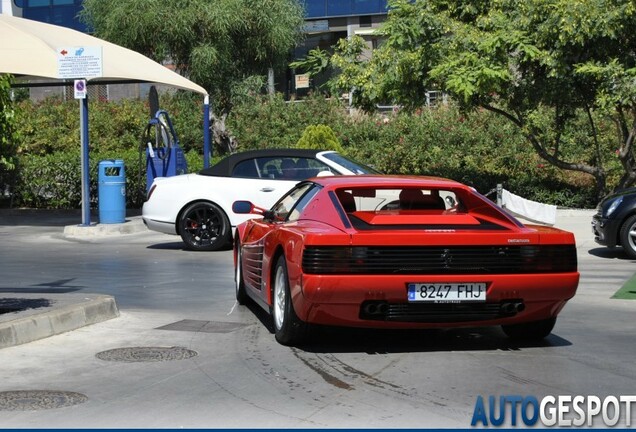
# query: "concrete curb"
66, 312
130, 226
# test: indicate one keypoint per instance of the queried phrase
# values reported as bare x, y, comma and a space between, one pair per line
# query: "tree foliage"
535, 62
8, 131
221, 45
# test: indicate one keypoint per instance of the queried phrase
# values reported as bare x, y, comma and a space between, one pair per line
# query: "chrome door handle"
268, 189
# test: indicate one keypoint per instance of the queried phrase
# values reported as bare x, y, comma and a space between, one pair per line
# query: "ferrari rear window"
418, 208
407, 199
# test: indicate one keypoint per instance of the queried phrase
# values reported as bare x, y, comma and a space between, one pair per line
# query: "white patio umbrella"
35, 50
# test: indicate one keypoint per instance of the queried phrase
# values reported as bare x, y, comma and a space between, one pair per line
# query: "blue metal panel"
64, 12
332, 8
58, 12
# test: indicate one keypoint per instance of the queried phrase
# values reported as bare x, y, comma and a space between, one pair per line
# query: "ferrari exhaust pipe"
508, 308
375, 308
512, 307
371, 308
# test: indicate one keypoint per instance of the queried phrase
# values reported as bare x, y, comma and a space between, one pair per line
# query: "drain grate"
146, 354
203, 326
35, 400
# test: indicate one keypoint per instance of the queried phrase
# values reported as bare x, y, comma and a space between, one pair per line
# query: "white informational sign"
79, 62
80, 89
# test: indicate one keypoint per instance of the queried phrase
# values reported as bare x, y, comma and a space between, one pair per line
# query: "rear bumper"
345, 300
160, 226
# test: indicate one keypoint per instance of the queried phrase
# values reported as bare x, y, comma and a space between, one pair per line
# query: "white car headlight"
613, 206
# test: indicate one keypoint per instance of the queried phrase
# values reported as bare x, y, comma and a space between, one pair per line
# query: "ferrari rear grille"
438, 313
439, 260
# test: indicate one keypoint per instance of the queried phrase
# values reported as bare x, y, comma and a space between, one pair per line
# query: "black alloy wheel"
204, 227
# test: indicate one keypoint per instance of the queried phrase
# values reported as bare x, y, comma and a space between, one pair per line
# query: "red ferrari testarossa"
400, 252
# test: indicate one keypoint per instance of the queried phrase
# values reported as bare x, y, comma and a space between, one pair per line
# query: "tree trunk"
270, 81
596, 171
223, 141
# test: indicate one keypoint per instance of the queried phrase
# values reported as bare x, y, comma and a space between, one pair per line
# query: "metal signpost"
81, 63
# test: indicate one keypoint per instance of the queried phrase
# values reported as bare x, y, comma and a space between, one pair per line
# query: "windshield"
351, 165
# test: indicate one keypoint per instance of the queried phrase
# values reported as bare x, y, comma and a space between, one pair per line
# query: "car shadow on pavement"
264, 318
331, 339
179, 245
326, 339
609, 253
373, 341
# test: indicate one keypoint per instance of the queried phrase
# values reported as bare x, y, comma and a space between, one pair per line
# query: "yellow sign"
302, 81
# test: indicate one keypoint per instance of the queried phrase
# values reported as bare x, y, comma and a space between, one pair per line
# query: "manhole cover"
146, 354
33, 400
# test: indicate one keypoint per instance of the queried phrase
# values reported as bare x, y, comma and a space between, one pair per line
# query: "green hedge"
480, 149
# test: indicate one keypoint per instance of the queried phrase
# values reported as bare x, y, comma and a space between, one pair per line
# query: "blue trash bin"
111, 191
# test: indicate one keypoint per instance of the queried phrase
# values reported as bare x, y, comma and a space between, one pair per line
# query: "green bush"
52, 125
319, 137
48, 164
265, 122
54, 180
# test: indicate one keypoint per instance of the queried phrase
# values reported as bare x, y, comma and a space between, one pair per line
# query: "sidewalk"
37, 316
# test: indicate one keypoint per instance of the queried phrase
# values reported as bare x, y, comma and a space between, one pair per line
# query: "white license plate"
447, 292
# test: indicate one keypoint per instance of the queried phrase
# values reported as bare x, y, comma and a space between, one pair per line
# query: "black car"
615, 221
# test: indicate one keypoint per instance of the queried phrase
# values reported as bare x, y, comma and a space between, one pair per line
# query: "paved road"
240, 377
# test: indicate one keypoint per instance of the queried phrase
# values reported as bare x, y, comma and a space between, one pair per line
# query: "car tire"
288, 328
628, 236
533, 330
241, 294
204, 227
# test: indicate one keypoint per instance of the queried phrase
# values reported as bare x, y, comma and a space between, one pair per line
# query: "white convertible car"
198, 207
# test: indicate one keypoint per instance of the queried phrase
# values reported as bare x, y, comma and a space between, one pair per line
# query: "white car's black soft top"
225, 167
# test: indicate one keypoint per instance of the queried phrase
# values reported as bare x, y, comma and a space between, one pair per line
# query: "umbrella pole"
86, 208
206, 131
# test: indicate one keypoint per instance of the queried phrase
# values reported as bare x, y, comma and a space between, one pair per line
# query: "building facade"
326, 21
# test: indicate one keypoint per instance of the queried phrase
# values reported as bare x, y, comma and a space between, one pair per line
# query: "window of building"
365, 21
